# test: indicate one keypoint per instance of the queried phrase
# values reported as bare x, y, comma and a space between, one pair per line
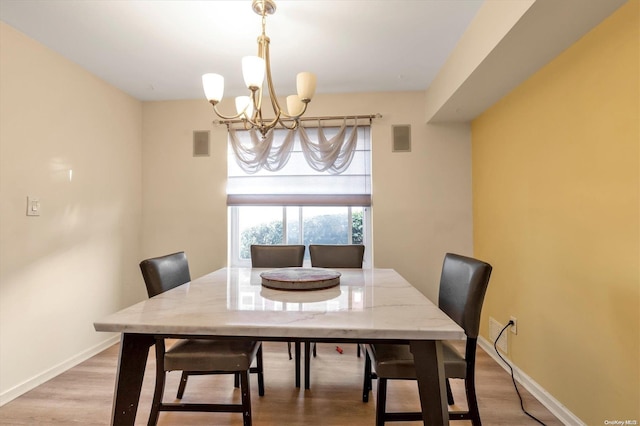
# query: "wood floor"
83, 395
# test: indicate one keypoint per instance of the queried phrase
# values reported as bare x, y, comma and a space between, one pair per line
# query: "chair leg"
260, 372
159, 388
183, 384
450, 400
315, 354
381, 402
472, 401
246, 398
289, 349
157, 400
358, 350
470, 383
366, 386
236, 380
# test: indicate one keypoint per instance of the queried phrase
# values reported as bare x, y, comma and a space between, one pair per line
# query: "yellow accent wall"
555, 168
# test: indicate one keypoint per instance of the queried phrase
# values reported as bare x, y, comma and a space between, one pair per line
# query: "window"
298, 205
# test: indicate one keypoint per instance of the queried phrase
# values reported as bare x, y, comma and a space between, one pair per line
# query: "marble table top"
368, 304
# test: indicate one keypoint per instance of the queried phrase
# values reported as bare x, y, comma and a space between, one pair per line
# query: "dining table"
367, 306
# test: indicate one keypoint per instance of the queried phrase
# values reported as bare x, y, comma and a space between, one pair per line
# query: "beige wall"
556, 211
421, 199
184, 199
76, 262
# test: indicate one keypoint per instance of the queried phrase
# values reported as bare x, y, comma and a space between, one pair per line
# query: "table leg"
134, 350
427, 355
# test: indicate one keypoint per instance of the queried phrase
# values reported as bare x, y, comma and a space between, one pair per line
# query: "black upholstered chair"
277, 256
197, 356
336, 255
463, 284
331, 256
280, 256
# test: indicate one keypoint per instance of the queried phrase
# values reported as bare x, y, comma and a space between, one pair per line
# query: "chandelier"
254, 70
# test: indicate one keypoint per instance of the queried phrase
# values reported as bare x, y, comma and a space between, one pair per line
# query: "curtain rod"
324, 118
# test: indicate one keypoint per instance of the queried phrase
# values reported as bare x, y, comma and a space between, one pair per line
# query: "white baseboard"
538, 392
39, 379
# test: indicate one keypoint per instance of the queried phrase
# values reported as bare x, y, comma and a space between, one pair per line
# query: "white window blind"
297, 184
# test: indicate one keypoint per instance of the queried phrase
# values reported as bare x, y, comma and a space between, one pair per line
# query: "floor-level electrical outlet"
514, 327
494, 330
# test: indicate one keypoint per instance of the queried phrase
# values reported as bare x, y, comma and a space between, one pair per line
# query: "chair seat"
210, 355
396, 361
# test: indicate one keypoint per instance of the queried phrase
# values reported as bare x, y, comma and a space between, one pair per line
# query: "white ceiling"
158, 49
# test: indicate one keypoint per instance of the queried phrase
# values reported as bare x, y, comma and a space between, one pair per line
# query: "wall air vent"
402, 138
201, 143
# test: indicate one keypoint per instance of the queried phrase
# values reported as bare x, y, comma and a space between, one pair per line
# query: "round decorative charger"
300, 278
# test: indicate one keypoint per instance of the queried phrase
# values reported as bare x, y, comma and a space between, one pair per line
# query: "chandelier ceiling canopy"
254, 70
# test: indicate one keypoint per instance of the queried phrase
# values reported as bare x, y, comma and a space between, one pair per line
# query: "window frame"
356, 194
233, 254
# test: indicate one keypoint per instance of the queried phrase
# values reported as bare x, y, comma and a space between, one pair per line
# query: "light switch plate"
33, 206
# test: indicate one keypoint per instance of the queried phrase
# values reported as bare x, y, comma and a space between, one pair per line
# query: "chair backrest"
164, 273
277, 256
463, 284
336, 255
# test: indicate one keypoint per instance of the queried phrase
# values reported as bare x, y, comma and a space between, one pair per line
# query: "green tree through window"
320, 229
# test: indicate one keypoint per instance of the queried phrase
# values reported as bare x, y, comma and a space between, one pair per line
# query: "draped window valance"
306, 166
331, 151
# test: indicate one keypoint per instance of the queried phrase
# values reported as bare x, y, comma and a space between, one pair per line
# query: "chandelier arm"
225, 117
264, 128
259, 124
263, 52
256, 98
277, 110
257, 121
294, 124
296, 117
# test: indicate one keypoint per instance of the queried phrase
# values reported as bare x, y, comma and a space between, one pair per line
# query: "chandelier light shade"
254, 70
213, 87
244, 103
